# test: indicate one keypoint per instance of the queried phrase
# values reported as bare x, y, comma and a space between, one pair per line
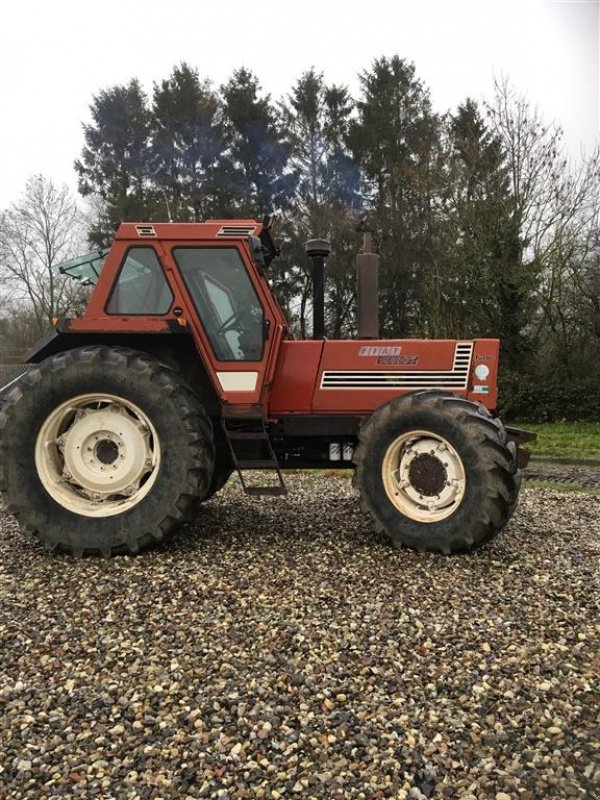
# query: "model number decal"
398, 360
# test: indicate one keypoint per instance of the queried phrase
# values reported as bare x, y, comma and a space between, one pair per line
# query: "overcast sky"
54, 56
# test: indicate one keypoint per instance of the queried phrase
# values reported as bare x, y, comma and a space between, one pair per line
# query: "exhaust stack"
318, 250
367, 286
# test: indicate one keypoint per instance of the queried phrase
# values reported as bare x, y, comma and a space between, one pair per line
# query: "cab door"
230, 315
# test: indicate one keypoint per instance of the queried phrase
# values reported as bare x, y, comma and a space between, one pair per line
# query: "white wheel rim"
97, 455
423, 476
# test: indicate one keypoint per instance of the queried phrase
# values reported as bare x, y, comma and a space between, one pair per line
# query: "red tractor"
182, 370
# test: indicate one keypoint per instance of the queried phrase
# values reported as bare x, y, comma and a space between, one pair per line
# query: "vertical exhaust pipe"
318, 250
367, 286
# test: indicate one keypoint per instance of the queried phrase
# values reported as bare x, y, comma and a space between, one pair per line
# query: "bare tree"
553, 205
571, 300
41, 229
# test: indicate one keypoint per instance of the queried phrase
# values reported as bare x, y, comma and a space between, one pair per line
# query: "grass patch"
560, 487
564, 439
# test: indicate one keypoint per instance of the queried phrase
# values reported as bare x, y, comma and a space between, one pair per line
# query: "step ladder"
253, 431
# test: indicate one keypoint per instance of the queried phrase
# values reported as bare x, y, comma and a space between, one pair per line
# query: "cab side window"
141, 286
226, 301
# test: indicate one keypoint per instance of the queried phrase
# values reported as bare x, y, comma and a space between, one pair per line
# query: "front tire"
103, 450
436, 473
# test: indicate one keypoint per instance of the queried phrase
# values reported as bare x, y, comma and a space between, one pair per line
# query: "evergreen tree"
262, 181
396, 140
316, 118
491, 239
114, 164
475, 207
190, 164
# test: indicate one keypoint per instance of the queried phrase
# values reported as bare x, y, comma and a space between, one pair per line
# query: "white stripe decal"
238, 381
455, 378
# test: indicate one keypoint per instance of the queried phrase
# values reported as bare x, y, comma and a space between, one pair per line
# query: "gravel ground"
281, 649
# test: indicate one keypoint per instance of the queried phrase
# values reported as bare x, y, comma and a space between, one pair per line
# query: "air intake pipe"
367, 286
318, 250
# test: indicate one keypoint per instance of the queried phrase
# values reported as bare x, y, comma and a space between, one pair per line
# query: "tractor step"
256, 463
262, 491
248, 435
267, 460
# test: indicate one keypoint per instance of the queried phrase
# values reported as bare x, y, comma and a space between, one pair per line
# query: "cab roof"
211, 229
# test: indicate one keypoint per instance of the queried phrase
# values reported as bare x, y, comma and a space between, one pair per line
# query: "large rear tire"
103, 450
222, 472
436, 473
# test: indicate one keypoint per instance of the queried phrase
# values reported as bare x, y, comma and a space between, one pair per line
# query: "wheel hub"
427, 474
423, 476
106, 451
97, 455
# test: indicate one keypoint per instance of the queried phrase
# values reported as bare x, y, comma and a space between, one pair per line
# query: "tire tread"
484, 432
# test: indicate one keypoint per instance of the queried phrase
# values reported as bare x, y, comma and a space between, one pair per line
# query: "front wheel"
436, 473
103, 450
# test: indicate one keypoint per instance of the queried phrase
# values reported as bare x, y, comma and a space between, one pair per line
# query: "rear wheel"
104, 451
436, 473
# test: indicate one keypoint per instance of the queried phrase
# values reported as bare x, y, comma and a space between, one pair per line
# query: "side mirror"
269, 248
257, 251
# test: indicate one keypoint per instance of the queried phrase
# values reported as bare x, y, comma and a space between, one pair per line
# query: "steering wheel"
227, 324
237, 321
